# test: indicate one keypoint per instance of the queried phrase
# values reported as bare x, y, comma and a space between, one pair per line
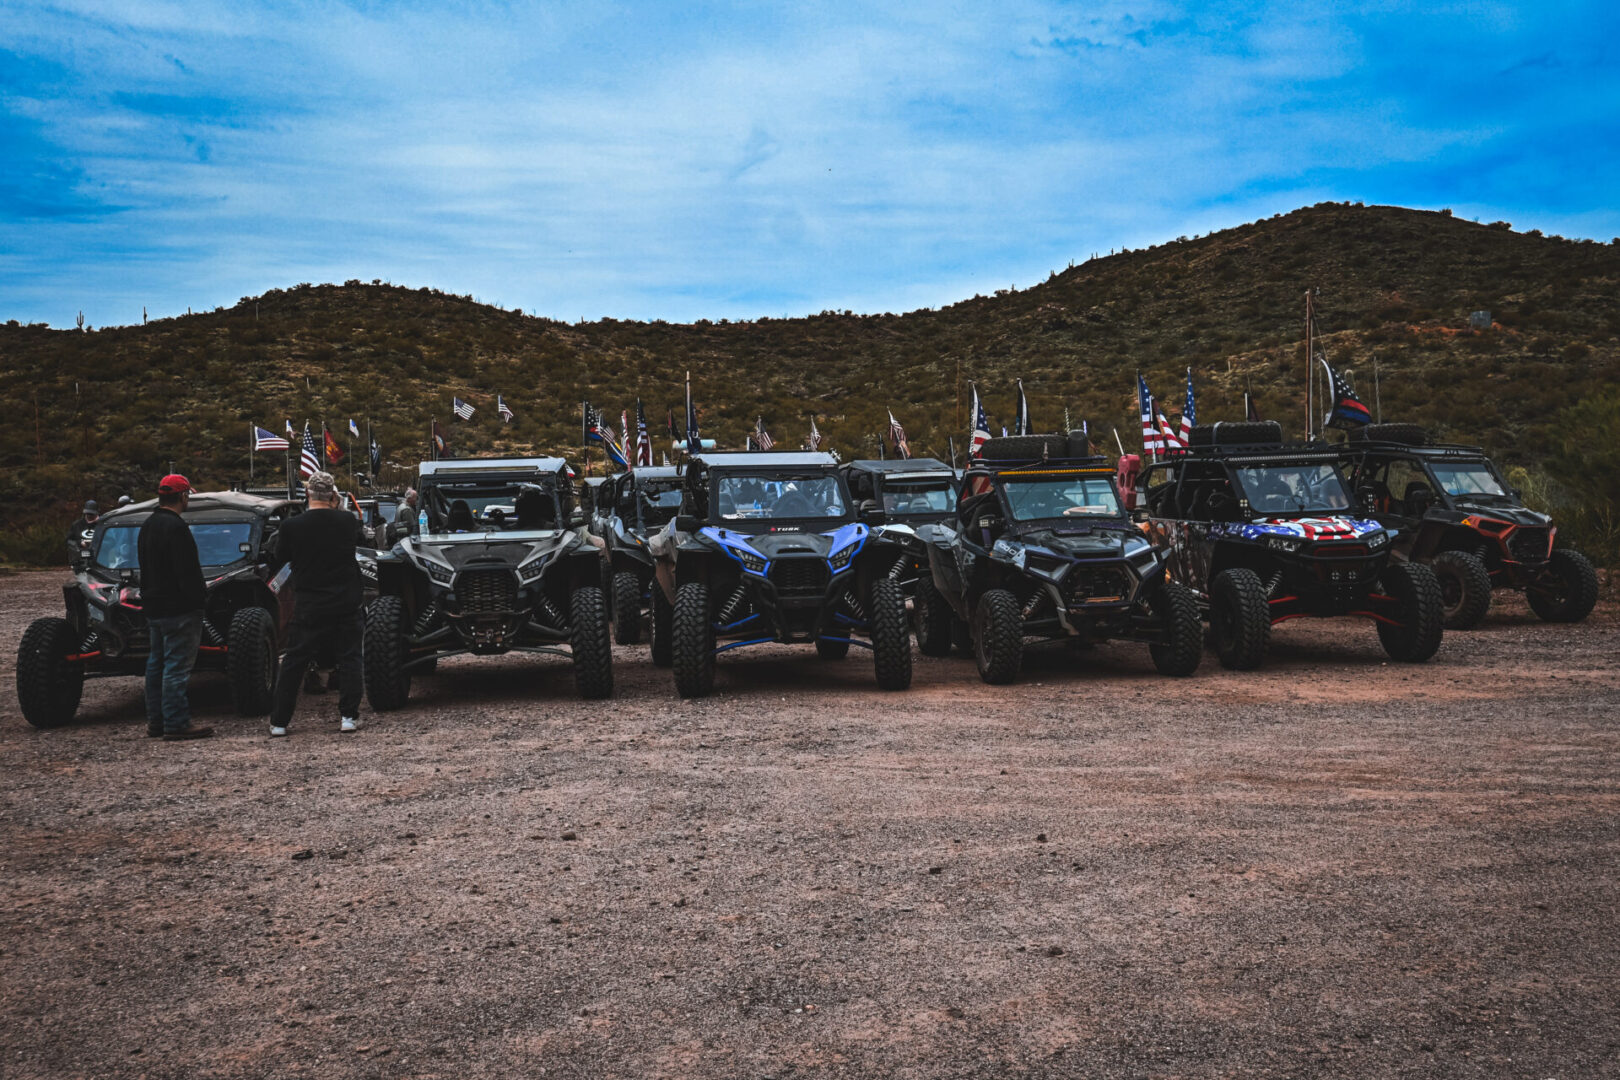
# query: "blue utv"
768, 548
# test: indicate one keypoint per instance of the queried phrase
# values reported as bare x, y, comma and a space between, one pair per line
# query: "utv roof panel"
477, 465
891, 466
656, 472
209, 501
765, 460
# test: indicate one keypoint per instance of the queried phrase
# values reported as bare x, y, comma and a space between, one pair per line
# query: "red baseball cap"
174, 484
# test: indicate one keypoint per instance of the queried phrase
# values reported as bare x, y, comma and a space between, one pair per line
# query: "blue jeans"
168, 669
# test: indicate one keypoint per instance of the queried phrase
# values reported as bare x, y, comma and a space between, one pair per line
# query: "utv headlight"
1283, 543
1377, 540
441, 574
532, 568
1008, 551
839, 559
368, 569
751, 561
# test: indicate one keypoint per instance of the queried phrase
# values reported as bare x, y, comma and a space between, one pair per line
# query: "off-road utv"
1263, 532
768, 547
105, 634
630, 508
498, 561
908, 502
1455, 513
1040, 548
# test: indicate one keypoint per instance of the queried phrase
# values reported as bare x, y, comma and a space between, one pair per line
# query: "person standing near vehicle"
319, 546
173, 598
79, 532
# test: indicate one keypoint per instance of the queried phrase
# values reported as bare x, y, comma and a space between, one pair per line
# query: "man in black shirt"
79, 533
172, 597
319, 544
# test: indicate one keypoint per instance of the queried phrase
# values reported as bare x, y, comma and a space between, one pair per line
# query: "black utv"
1264, 532
104, 632
1040, 548
630, 508
1455, 513
908, 502
768, 548
497, 560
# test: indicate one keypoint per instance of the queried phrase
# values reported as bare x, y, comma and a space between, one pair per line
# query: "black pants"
337, 635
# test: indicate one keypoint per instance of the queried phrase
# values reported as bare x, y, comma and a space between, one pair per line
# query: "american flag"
643, 437
815, 436
1188, 413
1152, 437
309, 460
462, 410
504, 409
268, 440
981, 426
762, 438
603, 433
1347, 410
898, 434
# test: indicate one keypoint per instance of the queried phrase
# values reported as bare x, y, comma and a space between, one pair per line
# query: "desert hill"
105, 411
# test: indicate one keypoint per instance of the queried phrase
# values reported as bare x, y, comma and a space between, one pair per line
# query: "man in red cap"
173, 597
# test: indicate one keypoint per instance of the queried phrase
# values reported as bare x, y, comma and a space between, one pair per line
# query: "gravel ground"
1332, 867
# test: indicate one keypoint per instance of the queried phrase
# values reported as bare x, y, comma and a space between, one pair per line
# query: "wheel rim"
1451, 592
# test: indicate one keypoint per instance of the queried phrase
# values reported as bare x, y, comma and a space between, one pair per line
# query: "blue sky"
653, 160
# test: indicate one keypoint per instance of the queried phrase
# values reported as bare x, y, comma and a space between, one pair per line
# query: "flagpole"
1378, 401
1310, 371
1118, 443
253, 438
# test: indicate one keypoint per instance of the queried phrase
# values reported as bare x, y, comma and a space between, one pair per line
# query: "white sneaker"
277, 732
350, 723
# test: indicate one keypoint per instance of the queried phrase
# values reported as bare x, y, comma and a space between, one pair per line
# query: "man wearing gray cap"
319, 545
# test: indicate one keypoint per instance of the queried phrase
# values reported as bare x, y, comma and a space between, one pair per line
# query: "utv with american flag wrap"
1263, 532
1039, 547
909, 502
104, 632
630, 508
497, 560
769, 547
1456, 514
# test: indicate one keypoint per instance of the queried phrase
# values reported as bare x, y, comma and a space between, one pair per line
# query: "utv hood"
1089, 541
1517, 515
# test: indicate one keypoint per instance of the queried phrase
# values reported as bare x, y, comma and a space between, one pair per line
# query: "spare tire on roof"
1236, 433
1405, 434
1025, 448
1080, 444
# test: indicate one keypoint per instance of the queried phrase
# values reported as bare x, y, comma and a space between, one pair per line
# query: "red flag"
334, 452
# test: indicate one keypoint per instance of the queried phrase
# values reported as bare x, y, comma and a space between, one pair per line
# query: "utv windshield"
765, 498
919, 497
1461, 481
658, 506
1314, 487
1060, 497
218, 544
490, 506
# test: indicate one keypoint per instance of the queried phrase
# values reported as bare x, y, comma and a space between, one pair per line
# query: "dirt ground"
1332, 867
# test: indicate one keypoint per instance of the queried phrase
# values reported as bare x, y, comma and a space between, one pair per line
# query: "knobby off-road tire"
693, 641
590, 640
387, 648
626, 608
1465, 588
1183, 649
998, 637
250, 661
891, 637
1239, 619
663, 627
1568, 591
931, 616
1421, 613
831, 650
48, 683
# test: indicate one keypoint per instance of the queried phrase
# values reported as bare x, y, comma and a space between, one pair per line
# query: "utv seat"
460, 519
1419, 497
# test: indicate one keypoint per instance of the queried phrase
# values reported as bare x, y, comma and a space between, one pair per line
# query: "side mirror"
1517, 494
871, 512
686, 523
576, 518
